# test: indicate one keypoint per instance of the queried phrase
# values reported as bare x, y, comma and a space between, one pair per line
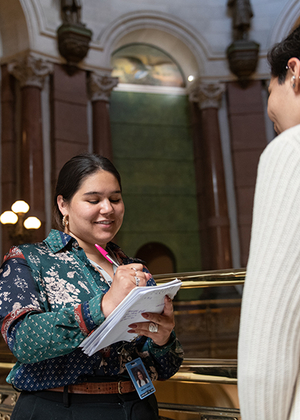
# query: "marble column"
8, 140
100, 87
8, 151
31, 71
211, 188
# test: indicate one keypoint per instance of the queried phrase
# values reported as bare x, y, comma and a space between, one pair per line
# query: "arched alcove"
286, 21
161, 30
152, 143
158, 257
144, 64
13, 28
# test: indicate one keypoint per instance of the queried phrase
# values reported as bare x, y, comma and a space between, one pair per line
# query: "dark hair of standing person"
281, 52
74, 172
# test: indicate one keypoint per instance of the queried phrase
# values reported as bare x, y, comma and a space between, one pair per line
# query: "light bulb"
8, 217
32, 223
20, 206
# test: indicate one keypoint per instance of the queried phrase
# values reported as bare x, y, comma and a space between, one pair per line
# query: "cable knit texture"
269, 340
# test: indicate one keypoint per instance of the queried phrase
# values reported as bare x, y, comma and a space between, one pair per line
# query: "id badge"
140, 378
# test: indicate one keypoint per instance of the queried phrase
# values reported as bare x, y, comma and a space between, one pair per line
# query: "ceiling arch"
286, 21
13, 28
188, 49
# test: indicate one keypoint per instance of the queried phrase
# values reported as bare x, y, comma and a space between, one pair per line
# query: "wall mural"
146, 65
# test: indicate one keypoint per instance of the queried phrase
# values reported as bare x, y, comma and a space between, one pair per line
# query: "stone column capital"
100, 86
30, 70
208, 95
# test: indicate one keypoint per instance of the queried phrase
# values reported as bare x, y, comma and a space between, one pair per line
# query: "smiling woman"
58, 291
96, 211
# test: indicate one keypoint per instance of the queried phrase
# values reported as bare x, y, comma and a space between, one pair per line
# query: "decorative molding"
152, 19
100, 86
285, 22
73, 42
208, 95
30, 70
8, 399
242, 56
195, 45
167, 90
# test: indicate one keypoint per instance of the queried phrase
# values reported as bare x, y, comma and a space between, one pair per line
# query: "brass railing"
8, 399
207, 371
199, 279
192, 370
201, 413
199, 370
203, 371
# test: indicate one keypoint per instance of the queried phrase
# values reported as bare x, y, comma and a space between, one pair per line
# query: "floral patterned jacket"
50, 300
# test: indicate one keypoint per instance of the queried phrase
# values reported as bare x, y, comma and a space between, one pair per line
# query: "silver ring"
137, 281
153, 327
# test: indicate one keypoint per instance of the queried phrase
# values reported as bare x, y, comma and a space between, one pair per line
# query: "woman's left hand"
164, 323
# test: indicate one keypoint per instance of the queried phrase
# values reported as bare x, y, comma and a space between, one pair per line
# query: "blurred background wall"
174, 92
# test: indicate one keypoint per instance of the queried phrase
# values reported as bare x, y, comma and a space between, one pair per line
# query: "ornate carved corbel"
100, 86
30, 70
73, 36
242, 54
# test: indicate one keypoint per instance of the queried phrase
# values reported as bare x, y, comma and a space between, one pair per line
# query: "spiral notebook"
139, 300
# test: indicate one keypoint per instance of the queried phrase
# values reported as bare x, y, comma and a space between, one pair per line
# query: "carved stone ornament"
30, 70
242, 56
208, 95
101, 86
71, 11
73, 41
241, 19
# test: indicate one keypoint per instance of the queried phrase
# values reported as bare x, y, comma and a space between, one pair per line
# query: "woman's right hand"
123, 282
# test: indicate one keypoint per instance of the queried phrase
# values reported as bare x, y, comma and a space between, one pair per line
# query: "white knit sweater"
269, 340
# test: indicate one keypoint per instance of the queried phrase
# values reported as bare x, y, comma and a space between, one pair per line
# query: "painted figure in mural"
56, 292
71, 11
242, 14
269, 345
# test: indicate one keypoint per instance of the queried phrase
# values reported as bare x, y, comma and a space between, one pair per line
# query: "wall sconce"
16, 216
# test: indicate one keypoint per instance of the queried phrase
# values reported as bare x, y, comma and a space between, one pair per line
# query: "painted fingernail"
146, 315
132, 326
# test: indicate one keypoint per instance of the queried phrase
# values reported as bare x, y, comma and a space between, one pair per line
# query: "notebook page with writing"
139, 300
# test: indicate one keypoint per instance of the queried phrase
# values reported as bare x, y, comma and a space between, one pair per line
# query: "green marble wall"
153, 150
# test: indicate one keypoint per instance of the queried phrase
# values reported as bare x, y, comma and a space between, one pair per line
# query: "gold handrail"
207, 371
205, 412
4, 365
199, 279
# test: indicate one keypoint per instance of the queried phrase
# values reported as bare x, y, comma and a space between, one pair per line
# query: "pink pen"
106, 255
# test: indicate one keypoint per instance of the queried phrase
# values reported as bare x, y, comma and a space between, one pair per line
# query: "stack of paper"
129, 311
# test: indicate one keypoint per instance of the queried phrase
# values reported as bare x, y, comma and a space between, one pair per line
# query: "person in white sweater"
269, 338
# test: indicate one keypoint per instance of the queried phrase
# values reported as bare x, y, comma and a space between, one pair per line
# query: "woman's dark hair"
74, 172
280, 54
142, 373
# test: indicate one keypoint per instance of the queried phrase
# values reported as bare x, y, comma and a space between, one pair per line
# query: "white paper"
138, 301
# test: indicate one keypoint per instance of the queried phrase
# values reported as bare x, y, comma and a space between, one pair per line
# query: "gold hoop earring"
65, 221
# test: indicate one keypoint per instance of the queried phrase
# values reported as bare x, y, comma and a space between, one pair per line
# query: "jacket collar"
58, 240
